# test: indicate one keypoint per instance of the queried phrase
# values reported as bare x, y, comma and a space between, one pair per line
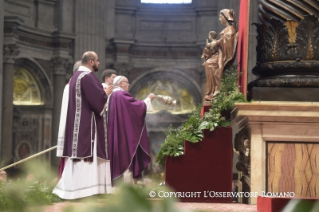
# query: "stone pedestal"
280, 143
285, 94
204, 172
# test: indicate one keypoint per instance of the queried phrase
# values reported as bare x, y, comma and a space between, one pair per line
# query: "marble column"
59, 68
10, 51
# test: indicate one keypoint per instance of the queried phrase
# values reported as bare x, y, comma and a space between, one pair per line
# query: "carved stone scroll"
10, 51
242, 145
288, 53
60, 66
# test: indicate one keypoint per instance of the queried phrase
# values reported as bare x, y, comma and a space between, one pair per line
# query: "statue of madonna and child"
218, 54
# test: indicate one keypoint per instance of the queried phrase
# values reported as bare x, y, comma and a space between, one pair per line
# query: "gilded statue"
219, 53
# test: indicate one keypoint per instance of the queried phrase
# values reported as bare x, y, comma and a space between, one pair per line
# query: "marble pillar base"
285, 94
283, 145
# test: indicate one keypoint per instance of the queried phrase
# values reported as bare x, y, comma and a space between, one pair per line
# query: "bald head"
87, 56
91, 61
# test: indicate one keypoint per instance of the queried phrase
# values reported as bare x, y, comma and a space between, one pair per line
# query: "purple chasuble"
128, 147
86, 101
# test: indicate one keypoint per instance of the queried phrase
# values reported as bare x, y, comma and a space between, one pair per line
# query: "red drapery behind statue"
243, 42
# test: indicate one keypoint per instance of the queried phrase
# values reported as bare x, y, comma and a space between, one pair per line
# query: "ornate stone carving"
294, 81
286, 10
271, 38
288, 53
60, 66
276, 68
278, 41
242, 145
122, 68
308, 38
10, 51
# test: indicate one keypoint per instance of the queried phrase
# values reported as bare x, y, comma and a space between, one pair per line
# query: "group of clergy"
102, 134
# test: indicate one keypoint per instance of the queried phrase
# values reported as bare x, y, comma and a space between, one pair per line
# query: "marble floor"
181, 207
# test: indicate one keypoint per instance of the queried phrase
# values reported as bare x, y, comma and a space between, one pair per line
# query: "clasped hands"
109, 90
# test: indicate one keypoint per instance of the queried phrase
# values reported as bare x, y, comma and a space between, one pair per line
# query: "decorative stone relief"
122, 68
242, 145
287, 53
10, 51
60, 66
286, 10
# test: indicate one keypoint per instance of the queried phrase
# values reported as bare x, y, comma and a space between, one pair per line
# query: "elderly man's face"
124, 84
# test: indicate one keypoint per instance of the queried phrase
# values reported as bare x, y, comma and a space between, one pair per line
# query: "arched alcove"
32, 102
36, 72
173, 83
26, 89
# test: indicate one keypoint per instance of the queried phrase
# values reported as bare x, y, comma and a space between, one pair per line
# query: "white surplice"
81, 179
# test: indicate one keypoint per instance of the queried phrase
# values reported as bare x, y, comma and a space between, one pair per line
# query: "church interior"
158, 47
43, 39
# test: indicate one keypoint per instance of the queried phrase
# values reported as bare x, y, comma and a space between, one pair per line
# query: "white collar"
117, 88
83, 68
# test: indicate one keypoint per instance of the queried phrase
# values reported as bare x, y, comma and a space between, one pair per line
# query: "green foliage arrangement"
39, 193
174, 142
26, 192
192, 130
225, 101
18, 195
128, 199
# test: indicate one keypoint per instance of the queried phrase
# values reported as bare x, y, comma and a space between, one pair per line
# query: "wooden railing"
28, 158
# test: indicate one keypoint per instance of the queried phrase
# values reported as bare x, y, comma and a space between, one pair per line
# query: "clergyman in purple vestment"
64, 108
128, 147
82, 135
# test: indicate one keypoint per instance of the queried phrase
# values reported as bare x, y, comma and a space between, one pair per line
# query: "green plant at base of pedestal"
174, 142
192, 130
225, 101
18, 195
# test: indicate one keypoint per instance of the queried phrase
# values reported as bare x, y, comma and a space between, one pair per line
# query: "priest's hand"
151, 96
109, 90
